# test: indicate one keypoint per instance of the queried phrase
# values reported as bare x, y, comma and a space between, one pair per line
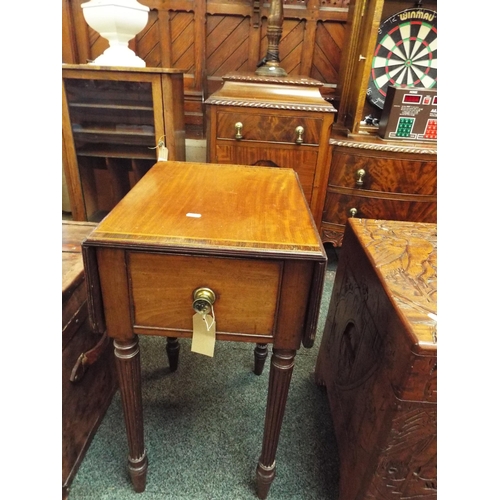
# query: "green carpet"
203, 429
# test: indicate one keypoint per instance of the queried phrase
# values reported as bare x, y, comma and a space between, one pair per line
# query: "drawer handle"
359, 177
203, 300
238, 126
353, 211
299, 131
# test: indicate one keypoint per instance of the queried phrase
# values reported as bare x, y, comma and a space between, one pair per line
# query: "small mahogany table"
244, 232
378, 360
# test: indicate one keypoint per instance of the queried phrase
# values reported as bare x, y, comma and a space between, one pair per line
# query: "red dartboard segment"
405, 54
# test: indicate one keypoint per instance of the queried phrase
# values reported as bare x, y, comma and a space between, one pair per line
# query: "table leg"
128, 365
260, 355
282, 362
173, 347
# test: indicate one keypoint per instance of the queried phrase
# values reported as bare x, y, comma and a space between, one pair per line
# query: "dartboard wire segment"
405, 55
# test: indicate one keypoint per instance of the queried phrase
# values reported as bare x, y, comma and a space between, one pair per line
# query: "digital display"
435, 101
412, 99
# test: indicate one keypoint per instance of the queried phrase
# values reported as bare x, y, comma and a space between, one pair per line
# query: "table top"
73, 233
214, 209
404, 255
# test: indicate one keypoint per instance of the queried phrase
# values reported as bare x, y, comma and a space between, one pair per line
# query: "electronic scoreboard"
409, 114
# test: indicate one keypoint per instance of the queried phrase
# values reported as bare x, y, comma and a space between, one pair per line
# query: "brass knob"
299, 131
203, 300
353, 211
238, 126
359, 177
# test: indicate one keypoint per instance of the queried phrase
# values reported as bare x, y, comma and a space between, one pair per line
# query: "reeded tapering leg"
129, 378
282, 362
173, 347
260, 355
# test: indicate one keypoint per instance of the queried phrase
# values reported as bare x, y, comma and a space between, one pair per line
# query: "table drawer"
379, 173
268, 127
162, 286
337, 209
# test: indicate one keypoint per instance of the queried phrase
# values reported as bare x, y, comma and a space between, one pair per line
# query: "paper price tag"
162, 152
203, 334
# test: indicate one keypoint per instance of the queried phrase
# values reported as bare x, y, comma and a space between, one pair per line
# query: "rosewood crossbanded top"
404, 255
212, 208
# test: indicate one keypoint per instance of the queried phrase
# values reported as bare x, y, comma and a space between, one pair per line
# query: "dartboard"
405, 54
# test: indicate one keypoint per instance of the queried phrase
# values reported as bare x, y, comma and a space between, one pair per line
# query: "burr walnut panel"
338, 206
269, 127
384, 173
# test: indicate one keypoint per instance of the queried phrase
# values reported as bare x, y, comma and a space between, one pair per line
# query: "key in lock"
203, 300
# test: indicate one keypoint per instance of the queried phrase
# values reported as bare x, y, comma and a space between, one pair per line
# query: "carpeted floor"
204, 426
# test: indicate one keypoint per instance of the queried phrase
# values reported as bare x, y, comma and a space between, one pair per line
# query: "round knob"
238, 126
299, 132
353, 211
359, 177
203, 300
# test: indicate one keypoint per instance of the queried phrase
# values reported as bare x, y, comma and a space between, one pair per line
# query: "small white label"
190, 214
203, 341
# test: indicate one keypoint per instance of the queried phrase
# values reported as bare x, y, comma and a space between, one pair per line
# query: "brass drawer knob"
353, 211
203, 300
299, 132
238, 126
359, 177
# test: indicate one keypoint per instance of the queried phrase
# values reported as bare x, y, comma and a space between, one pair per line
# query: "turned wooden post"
129, 378
271, 66
282, 362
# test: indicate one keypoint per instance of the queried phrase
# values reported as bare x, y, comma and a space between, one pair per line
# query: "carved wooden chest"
378, 360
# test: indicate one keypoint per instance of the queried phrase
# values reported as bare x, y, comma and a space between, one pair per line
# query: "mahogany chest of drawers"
376, 179
378, 360
273, 121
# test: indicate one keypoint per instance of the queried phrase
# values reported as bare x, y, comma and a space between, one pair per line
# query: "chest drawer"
268, 127
380, 173
162, 286
338, 206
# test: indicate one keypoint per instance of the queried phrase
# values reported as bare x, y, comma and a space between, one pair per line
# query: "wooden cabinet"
277, 122
370, 178
378, 360
114, 120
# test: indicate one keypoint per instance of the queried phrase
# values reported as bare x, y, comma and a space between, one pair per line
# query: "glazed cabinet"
279, 122
116, 124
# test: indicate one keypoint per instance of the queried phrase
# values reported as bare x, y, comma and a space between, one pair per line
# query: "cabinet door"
302, 159
113, 129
